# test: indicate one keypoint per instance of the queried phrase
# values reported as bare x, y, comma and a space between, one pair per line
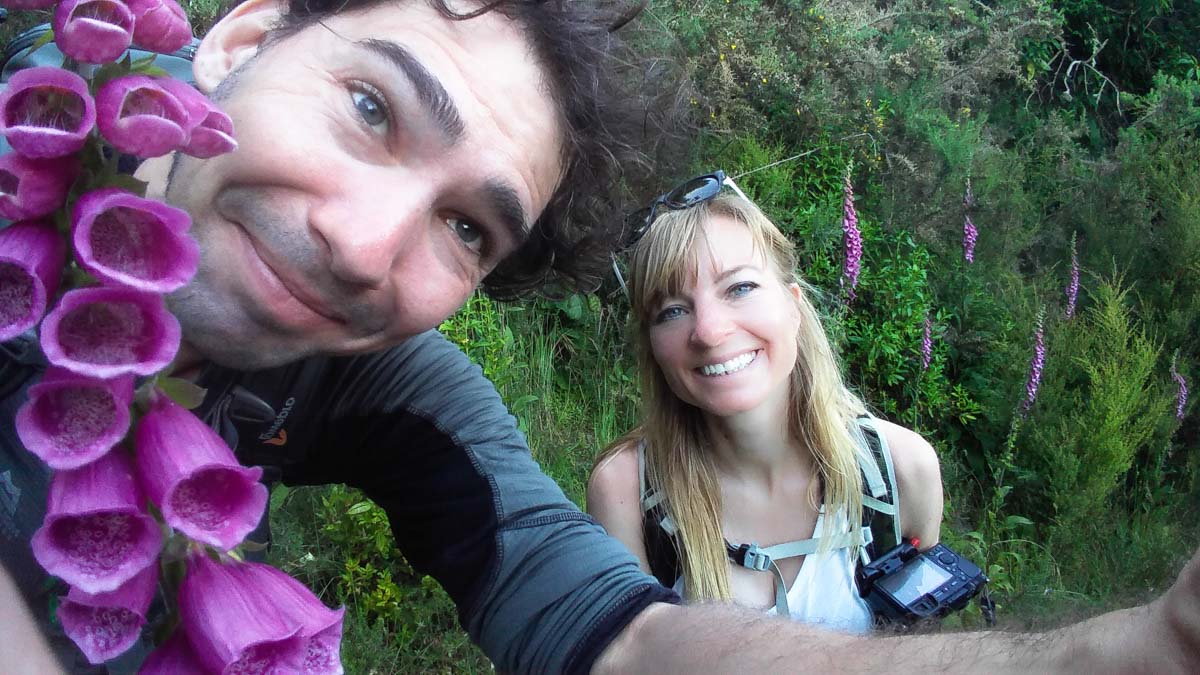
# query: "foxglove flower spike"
31, 259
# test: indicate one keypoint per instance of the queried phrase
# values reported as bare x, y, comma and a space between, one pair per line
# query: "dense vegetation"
1075, 125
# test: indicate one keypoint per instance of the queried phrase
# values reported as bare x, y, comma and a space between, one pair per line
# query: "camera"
906, 585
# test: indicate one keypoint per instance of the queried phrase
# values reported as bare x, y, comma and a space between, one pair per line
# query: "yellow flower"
732, 46
764, 80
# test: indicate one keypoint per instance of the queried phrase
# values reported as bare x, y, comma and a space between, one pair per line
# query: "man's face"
388, 160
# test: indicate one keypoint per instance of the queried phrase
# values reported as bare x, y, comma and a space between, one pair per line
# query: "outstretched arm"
1162, 637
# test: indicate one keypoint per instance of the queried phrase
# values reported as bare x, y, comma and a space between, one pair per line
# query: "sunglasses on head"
684, 196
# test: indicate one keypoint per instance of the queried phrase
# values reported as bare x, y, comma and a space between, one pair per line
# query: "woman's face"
727, 342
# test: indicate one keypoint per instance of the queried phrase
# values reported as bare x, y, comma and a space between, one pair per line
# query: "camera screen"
914, 580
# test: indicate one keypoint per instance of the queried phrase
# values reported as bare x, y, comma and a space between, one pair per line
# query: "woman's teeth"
731, 366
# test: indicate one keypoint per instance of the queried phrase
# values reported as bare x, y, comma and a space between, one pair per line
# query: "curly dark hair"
624, 122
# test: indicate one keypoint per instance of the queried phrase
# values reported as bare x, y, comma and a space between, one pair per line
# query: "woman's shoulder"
918, 481
911, 453
616, 475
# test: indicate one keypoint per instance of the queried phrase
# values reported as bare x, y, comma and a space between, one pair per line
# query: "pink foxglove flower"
32, 188
1036, 365
29, 4
1181, 397
93, 31
189, 471
173, 657
31, 259
852, 238
139, 117
96, 535
970, 233
124, 239
1073, 286
233, 625
109, 332
320, 627
46, 112
927, 344
210, 131
105, 625
159, 25
70, 420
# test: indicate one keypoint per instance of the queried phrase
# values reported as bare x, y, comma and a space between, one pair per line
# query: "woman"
750, 435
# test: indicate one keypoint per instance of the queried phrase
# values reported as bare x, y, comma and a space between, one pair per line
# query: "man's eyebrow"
433, 95
507, 205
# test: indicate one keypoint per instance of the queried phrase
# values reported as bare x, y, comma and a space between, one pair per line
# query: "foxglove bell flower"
31, 260
93, 31
970, 232
96, 535
1073, 285
927, 344
1036, 365
173, 657
46, 112
139, 117
32, 188
124, 239
189, 471
852, 238
105, 625
159, 25
1181, 396
210, 131
70, 420
29, 4
109, 332
233, 625
320, 627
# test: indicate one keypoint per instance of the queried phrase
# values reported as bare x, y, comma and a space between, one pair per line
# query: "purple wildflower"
31, 260
46, 112
109, 331
852, 239
96, 535
32, 188
139, 117
1036, 365
232, 623
173, 657
927, 344
189, 471
159, 25
1073, 286
71, 420
210, 131
93, 31
970, 233
105, 625
1182, 396
125, 239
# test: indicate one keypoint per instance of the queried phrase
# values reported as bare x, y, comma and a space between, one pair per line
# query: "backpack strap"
881, 502
658, 530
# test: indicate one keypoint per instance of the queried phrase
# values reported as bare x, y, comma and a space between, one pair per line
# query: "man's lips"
297, 288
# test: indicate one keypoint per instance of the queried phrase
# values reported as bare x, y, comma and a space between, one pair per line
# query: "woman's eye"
672, 312
470, 234
370, 107
743, 288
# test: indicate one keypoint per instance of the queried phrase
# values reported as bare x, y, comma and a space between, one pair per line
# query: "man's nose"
711, 324
367, 234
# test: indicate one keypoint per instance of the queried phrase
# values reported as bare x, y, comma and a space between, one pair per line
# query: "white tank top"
824, 592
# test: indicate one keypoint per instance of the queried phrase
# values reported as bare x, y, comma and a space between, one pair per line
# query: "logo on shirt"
277, 435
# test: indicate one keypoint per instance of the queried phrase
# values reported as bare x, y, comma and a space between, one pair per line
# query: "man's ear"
233, 41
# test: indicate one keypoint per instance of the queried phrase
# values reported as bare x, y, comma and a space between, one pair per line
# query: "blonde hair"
679, 459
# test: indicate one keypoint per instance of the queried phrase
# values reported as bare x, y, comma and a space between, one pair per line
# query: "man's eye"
370, 107
470, 234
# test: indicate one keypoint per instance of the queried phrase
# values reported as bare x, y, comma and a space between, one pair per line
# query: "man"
391, 160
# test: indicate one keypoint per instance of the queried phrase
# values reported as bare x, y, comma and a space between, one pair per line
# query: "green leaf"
128, 183
359, 508
150, 70
184, 392
43, 40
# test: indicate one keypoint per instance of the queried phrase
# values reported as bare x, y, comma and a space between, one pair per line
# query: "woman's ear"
234, 40
796, 291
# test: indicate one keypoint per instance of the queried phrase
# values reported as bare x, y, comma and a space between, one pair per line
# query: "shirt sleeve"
539, 585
